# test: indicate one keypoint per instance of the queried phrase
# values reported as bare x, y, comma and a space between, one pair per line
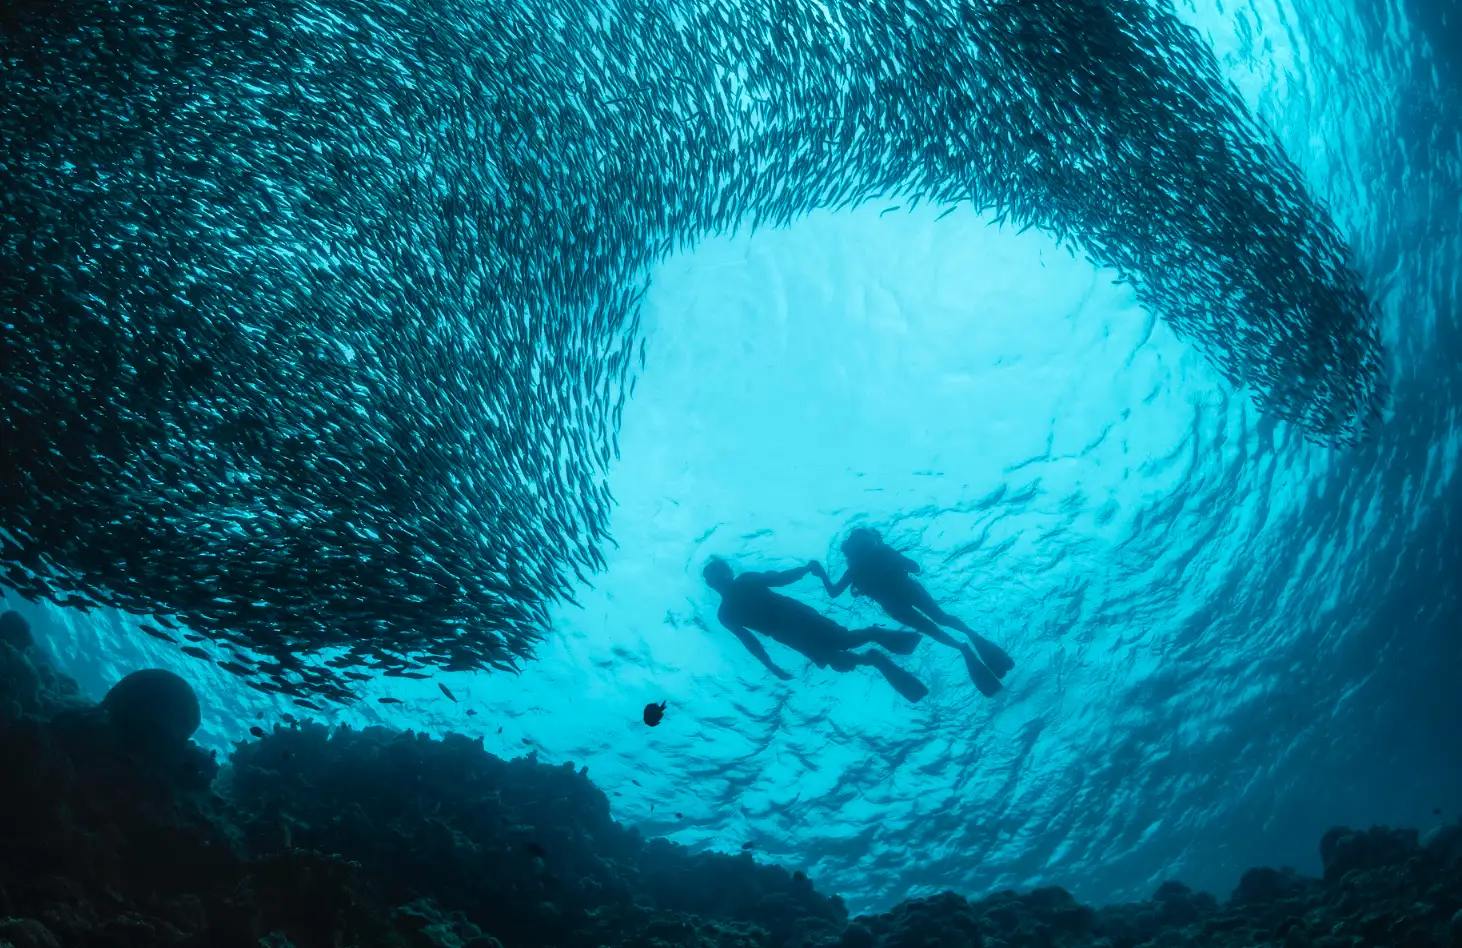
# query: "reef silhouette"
321, 314
311, 838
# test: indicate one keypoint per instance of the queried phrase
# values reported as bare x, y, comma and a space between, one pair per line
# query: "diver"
883, 574
748, 604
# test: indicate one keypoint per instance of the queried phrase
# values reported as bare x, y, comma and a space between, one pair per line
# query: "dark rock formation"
153, 706
15, 631
316, 839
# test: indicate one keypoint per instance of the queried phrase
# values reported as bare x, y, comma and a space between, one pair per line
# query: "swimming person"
749, 605
883, 574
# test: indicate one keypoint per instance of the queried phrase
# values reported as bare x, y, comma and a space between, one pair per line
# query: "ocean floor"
117, 831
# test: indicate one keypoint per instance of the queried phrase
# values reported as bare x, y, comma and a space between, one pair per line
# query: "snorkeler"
748, 604
881, 573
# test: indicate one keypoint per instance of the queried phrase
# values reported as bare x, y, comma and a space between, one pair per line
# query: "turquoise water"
1227, 638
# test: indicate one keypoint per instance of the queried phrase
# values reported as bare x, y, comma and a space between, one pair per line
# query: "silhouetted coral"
153, 706
310, 838
15, 631
525, 850
29, 685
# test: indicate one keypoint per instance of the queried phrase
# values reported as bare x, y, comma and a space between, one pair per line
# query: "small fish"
947, 213
678, 816
1437, 811
634, 781
157, 634
388, 700
307, 704
500, 729
193, 651
471, 712
746, 845
654, 713
257, 731
446, 691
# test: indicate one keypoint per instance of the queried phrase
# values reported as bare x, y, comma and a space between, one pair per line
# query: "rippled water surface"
1226, 638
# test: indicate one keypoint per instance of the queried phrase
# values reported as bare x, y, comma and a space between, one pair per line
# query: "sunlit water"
1226, 638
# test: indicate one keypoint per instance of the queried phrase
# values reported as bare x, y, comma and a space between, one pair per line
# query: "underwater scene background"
1228, 637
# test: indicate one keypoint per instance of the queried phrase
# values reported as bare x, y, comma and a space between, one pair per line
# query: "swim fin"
993, 656
983, 677
904, 683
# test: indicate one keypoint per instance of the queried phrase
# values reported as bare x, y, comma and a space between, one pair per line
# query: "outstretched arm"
783, 577
754, 646
834, 590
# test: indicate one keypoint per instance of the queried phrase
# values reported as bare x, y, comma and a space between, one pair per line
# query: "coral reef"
29, 685
308, 837
153, 706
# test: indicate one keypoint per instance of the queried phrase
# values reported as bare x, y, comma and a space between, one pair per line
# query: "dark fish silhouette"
654, 713
194, 651
446, 691
256, 731
746, 845
157, 633
471, 712
388, 700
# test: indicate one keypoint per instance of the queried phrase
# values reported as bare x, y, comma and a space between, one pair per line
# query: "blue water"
1227, 638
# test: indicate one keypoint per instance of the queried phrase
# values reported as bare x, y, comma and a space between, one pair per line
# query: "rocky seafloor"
116, 831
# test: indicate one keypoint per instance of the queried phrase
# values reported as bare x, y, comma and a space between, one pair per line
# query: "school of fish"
319, 316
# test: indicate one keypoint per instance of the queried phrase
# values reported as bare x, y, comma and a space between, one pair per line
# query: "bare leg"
984, 678
897, 641
991, 654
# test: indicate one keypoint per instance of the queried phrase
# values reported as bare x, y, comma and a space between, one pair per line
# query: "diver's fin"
904, 683
993, 656
983, 677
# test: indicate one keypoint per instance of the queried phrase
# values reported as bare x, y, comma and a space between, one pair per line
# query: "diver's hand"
816, 569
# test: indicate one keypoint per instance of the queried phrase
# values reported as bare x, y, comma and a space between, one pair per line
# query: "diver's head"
718, 574
860, 540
